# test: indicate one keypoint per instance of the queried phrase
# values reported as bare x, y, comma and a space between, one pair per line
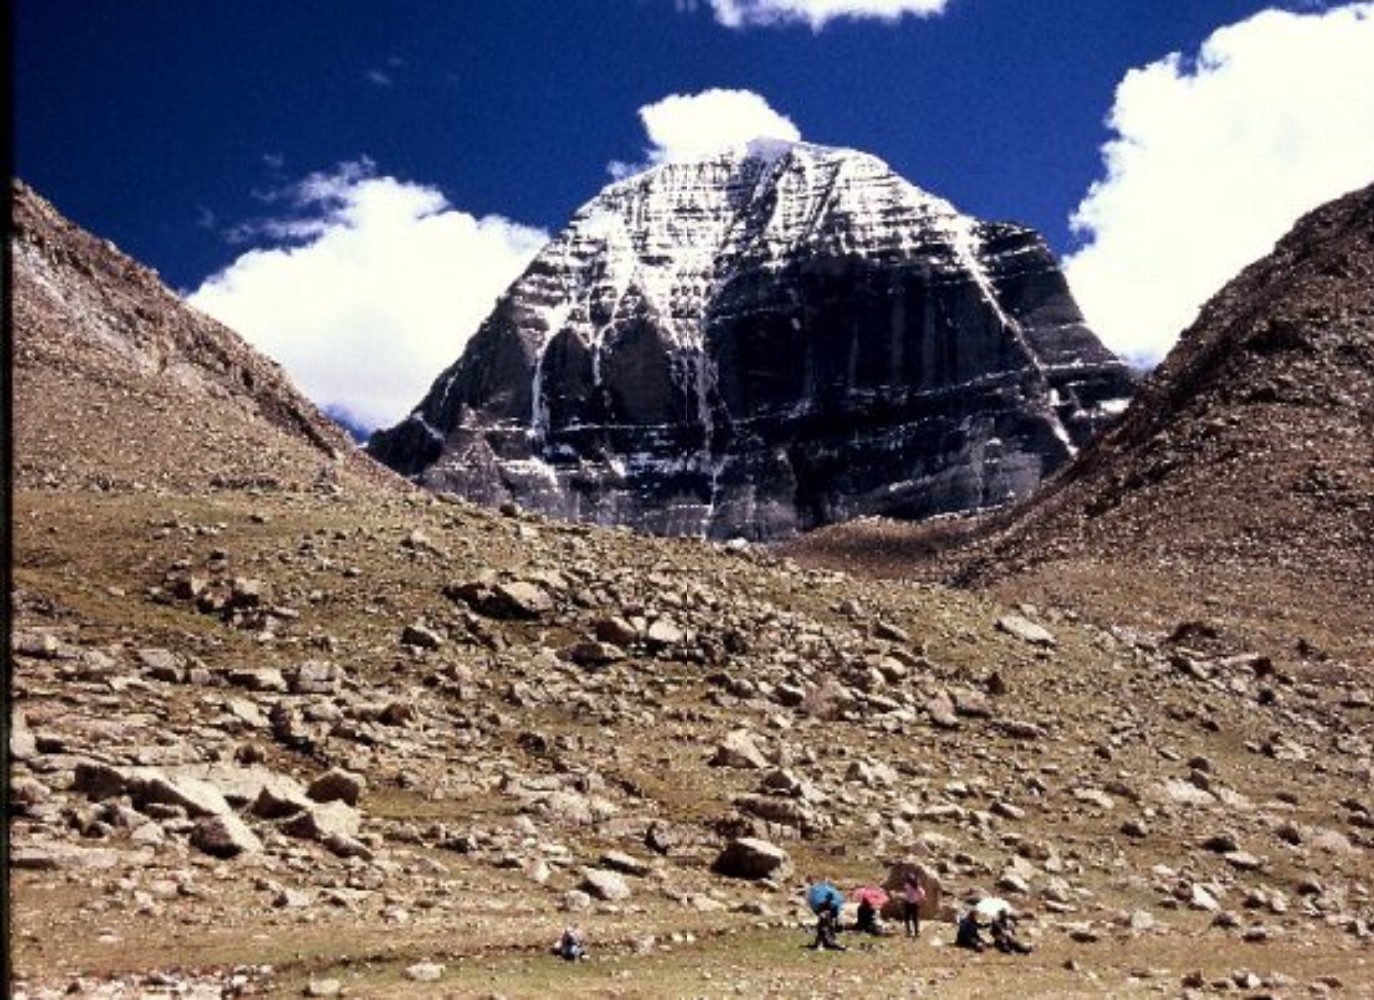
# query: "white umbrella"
992, 907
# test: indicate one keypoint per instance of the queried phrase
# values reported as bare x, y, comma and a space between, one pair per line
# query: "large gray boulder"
752, 858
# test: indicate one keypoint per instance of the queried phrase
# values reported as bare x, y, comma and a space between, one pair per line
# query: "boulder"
23, 745
591, 653
162, 665
752, 858
896, 880
196, 796
421, 636
322, 820
277, 800
315, 677
425, 972
224, 836
616, 631
664, 633
337, 785
258, 678
246, 592
601, 883
739, 750
63, 857
619, 861
521, 599
774, 809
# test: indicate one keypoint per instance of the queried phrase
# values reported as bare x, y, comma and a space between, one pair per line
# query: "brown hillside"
1237, 488
117, 381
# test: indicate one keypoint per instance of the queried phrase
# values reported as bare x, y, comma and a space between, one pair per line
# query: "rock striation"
774, 338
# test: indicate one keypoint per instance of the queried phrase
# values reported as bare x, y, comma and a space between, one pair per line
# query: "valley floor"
1172, 821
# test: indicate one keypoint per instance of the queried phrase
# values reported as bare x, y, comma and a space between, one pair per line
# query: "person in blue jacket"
968, 934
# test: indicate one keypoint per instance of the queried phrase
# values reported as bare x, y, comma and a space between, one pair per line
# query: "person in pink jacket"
913, 895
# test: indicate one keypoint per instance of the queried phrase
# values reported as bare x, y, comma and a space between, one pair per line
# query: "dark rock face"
777, 338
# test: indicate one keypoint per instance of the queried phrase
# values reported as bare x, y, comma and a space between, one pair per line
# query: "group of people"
826, 902
1001, 929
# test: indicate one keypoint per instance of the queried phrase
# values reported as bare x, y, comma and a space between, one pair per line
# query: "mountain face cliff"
775, 338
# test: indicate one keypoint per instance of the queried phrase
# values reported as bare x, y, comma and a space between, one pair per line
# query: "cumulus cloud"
1213, 159
816, 13
685, 127
368, 288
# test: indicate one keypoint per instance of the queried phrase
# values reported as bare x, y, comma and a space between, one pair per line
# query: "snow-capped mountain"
776, 337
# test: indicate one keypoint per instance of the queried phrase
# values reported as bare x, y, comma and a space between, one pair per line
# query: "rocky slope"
108, 363
774, 338
297, 738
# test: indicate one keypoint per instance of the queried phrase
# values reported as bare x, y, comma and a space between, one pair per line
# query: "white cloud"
1213, 160
685, 127
371, 289
767, 13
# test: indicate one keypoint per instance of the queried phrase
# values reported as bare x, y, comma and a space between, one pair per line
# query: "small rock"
1136, 828
1026, 630
425, 972
619, 861
591, 653
421, 636
1244, 861
292, 899
659, 838
575, 900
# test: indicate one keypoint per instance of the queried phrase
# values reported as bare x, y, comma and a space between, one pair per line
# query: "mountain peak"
741, 345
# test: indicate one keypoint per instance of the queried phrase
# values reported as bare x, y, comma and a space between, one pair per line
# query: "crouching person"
1004, 937
571, 946
968, 935
828, 927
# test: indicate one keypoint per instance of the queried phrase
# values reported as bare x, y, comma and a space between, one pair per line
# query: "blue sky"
248, 150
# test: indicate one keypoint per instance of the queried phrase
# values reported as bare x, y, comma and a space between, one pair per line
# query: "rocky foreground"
295, 739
